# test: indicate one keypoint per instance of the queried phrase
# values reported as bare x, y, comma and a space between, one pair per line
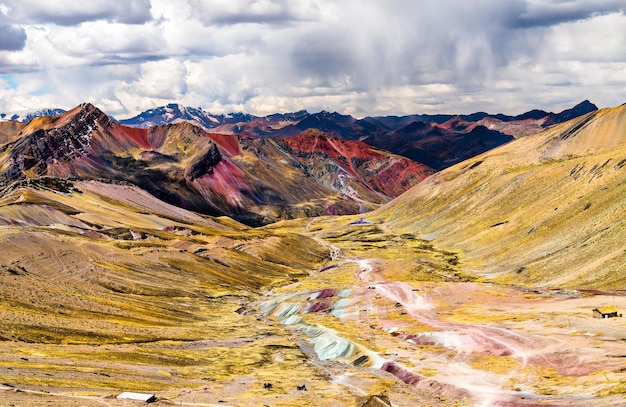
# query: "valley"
476, 287
411, 313
376, 313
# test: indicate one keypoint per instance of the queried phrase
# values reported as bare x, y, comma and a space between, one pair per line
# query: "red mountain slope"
253, 180
381, 171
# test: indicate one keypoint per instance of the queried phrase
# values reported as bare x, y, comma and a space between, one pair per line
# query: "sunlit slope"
94, 221
254, 181
546, 210
89, 263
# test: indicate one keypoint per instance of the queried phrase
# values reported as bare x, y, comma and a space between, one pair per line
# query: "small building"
605, 312
148, 398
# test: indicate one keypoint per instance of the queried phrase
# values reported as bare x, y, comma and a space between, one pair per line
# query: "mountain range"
256, 170
253, 180
437, 141
337, 124
27, 116
201, 266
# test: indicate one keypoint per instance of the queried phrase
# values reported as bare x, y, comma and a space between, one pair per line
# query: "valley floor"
386, 314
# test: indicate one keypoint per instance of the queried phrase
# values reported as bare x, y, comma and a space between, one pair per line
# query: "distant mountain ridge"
174, 113
27, 116
250, 179
328, 121
438, 140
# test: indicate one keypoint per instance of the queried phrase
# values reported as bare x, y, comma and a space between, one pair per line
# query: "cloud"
231, 12
99, 40
73, 12
12, 38
600, 39
161, 80
397, 42
357, 56
549, 13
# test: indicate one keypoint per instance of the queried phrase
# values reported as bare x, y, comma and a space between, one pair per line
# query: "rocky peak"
88, 113
68, 137
580, 109
585, 106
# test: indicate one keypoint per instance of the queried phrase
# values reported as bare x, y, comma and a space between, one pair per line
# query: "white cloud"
364, 57
72, 12
602, 38
101, 40
161, 80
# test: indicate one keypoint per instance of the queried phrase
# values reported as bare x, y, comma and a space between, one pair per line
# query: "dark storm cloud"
541, 13
12, 38
73, 12
324, 56
397, 42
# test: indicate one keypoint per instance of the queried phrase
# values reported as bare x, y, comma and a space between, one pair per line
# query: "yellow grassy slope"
107, 289
546, 210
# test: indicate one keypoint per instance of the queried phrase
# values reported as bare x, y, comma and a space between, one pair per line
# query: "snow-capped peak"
26, 115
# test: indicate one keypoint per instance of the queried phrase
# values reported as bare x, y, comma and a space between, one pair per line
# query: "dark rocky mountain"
438, 140
580, 109
440, 145
253, 180
431, 143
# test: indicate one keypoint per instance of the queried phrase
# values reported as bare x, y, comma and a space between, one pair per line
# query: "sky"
358, 57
